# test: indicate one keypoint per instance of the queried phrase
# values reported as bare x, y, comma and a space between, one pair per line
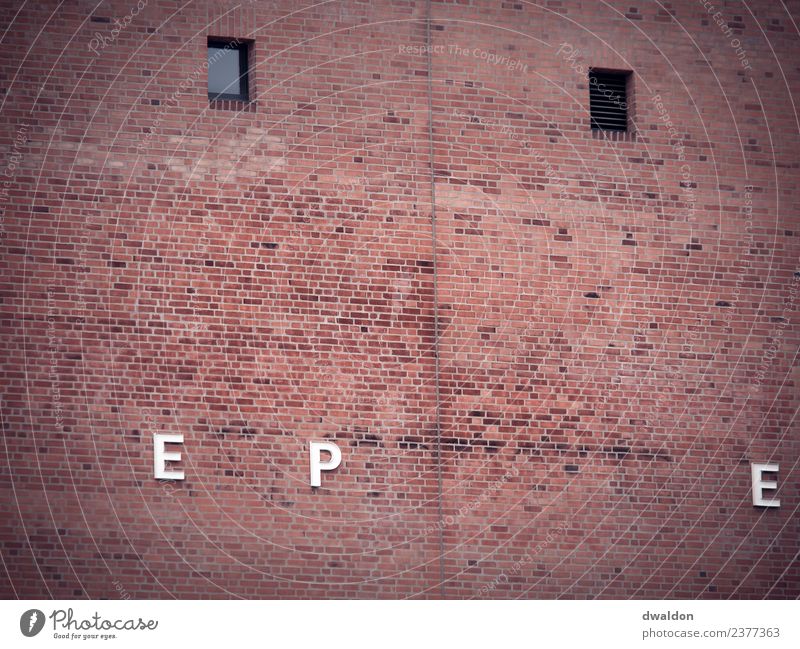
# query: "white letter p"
316, 463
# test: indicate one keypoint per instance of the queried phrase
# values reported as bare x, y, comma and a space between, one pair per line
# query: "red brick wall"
617, 330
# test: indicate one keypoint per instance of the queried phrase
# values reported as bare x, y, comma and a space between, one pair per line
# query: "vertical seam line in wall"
437, 381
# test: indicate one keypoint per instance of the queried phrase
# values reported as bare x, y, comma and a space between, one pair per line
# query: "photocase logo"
31, 622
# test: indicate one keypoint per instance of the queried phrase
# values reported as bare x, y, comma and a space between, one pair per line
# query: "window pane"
223, 71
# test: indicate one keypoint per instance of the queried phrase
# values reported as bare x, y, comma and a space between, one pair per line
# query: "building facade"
548, 352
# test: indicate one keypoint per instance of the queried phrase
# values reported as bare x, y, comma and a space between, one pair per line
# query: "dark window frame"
243, 48
622, 75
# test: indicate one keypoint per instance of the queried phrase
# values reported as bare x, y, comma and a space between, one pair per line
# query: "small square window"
227, 69
608, 99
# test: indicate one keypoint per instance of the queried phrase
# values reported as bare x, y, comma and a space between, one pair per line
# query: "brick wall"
616, 317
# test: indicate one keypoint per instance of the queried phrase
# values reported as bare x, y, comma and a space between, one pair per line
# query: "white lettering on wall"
316, 463
161, 456
759, 485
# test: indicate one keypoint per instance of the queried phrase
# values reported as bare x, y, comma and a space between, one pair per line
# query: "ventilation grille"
608, 100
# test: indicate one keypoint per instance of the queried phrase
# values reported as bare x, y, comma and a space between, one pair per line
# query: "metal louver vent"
608, 100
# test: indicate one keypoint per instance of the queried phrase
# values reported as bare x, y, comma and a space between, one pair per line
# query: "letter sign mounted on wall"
759, 485
161, 456
316, 463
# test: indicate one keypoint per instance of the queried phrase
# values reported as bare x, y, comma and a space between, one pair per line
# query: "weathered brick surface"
618, 331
